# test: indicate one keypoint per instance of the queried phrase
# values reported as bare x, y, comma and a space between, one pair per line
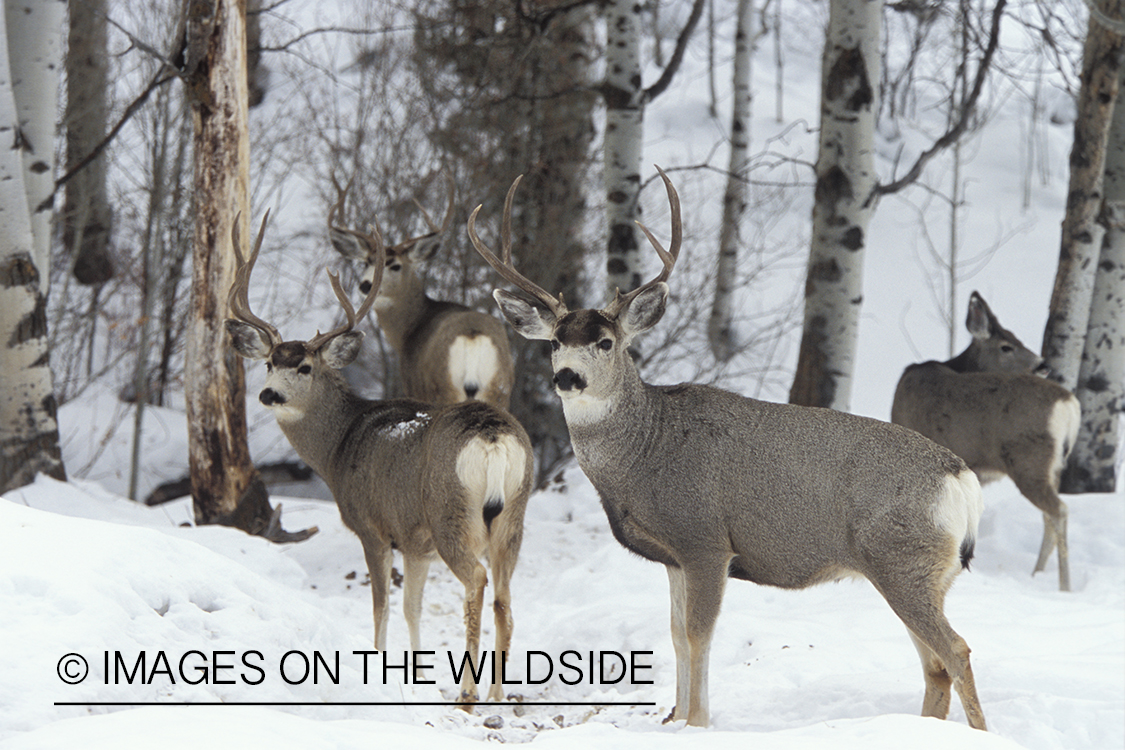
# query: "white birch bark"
1101, 376
29, 436
845, 179
624, 134
1065, 333
720, 331
35, 56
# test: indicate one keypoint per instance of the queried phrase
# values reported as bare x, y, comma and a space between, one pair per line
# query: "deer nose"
364, 287
270, 397
567, 379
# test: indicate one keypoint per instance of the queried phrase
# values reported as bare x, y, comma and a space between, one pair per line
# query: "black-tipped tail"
968, 545
492, 508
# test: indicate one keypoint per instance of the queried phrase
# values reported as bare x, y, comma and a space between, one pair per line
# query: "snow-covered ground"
222, 618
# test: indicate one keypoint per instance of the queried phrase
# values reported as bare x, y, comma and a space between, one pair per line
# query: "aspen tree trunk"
35, 56
624, 135
719, 327
87, 219
1065, 333
1101, 376
845, 179
215, 388
29, 433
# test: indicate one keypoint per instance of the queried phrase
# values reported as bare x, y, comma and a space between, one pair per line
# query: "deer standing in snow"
449, 481
714, 485
987, 406
447, 352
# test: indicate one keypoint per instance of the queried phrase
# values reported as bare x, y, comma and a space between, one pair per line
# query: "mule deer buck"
449, 481
987, 406
447, 352
715, 485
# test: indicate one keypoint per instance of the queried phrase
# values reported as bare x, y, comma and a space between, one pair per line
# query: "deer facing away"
715, 485
447, 352
987, 406
430, 481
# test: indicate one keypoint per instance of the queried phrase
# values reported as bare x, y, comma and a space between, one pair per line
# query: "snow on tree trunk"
1101, 376
29, 433
624, 134
87, 219
719, 327
1065, 333
35, 57
845, 178
215, 386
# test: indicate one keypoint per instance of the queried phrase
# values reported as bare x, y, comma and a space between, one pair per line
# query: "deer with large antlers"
447, 352
714, 485
430, 481
990, 407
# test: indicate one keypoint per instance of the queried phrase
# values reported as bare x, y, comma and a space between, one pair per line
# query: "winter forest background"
988, 99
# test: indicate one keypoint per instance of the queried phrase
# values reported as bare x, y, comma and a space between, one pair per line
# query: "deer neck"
966, 361
401, 314
610, 434
315, 434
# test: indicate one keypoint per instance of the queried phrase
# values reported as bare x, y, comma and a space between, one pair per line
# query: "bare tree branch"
968, 108
1115, 25
669, 73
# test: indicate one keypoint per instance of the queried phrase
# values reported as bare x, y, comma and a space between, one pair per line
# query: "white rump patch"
959, 506
491, 470
400, 430
1063, 424
473, 362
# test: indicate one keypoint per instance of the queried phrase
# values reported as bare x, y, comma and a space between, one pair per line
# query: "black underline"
452, 704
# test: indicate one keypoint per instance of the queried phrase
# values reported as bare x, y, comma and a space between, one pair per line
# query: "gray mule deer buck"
987, 406
715, 485
449, 481
447, 352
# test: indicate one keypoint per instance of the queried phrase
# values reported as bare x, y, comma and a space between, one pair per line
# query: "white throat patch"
580, 408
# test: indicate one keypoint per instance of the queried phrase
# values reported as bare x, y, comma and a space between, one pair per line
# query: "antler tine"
503, 266
373, 235
667, 257
351, 315
238, 299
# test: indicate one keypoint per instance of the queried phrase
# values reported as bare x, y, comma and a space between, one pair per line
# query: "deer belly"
473, 363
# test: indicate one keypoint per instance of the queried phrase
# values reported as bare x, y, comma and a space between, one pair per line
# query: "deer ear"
249, 341
425, 248
341, 351
531, 320
348, 244
645, 310
979, 319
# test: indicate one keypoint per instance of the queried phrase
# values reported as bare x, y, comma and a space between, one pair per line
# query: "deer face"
298, 377
995, 348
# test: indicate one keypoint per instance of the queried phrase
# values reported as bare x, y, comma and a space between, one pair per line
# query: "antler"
238, 300
435, 230
378, 263
503, 266
667, 257
372, 237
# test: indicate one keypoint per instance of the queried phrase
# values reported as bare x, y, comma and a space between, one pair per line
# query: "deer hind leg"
415, 569
1041, 488
918, 601
504, 541
379, 571
474, 578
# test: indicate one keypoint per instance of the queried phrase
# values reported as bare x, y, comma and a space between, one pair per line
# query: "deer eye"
304, 369
555, 345
1007, 348
605, 345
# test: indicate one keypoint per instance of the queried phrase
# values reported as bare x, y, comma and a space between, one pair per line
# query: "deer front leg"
415, 568
677, 590
379, 571
704, 585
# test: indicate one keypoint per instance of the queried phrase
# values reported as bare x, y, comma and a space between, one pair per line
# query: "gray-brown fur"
422, 330
987, 407
448, 481
715, 485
